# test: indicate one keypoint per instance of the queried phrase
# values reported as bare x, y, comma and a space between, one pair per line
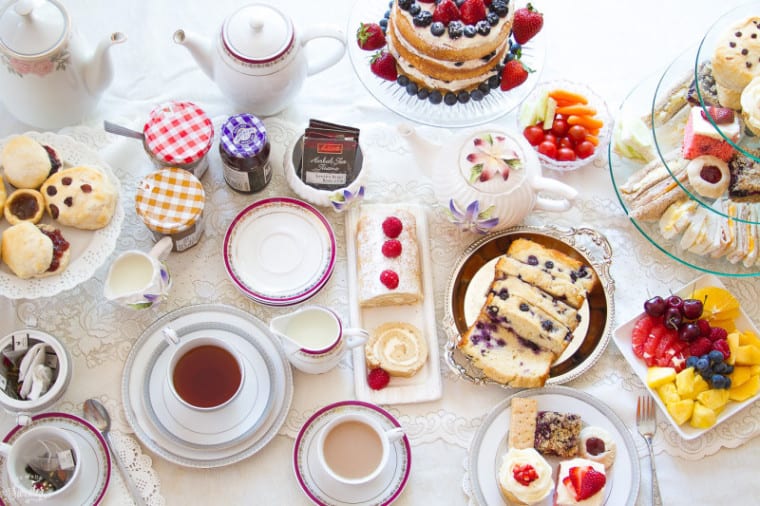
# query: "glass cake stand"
494, 105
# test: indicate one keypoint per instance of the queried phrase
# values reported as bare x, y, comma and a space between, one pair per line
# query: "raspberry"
717, 333
701, 346
392, 227
378, 379
390, 279
722, 346
392, 248
704, 327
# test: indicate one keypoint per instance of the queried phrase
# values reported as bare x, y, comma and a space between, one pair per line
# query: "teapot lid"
258, 33
31, 28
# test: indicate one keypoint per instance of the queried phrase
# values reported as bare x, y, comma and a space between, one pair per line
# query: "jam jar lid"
170, 200
31, 29
243, 135
178, 133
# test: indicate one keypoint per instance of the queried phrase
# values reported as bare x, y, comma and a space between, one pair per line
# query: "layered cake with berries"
449, 45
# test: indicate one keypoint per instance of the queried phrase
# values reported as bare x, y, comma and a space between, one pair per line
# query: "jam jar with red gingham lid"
244, 149
179, 134
170, 202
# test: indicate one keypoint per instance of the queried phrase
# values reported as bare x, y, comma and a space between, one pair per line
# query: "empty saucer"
323, 490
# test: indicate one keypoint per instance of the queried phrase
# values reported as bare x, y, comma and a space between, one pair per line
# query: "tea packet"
331, 158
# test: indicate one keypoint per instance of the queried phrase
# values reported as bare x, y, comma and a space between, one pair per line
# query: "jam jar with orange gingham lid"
170, 202
244, 149
179, 134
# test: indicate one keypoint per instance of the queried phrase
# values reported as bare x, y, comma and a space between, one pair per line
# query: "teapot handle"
355, 337
567, 194
329, 58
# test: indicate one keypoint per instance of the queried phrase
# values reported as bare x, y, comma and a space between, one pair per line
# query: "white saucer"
222, 427
254, 433
279, 251
321, 490
95, 473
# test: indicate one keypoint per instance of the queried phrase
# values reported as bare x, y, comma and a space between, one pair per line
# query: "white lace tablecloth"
610, 47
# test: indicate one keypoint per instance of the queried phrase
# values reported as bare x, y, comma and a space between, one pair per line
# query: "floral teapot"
258, 58
49, 79
487, 178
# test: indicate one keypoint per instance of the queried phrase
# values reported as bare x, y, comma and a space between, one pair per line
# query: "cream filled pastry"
398, 348
598, 445
525, 477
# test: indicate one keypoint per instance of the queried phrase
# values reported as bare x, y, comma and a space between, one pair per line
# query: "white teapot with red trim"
258, 59
48, 78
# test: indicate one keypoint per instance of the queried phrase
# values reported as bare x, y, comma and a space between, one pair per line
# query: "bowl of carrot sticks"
566, 123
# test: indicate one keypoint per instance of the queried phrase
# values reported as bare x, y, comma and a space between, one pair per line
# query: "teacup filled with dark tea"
354, 448
204, 372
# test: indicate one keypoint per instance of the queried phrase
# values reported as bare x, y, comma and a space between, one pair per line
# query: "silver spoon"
122, 130
97, 414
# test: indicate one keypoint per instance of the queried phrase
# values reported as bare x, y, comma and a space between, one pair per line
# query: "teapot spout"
98, 71
424, 151
200, 48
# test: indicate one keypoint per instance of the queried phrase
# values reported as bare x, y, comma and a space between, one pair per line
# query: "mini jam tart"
24, 205
597, 445
708, 175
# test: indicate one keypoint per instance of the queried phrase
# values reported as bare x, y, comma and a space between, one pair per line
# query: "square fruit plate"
744, 371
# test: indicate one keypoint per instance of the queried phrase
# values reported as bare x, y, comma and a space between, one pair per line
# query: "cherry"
673, 318
692, 308
689, 331
675, 301
655, 306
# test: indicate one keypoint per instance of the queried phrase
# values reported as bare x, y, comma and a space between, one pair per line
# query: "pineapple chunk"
728, 323
747, 354
754, 369
658, 376
748, 337
689, 384
733, 345
715, 398
743, 392
681, 411
668, 393
702, 417
740, 375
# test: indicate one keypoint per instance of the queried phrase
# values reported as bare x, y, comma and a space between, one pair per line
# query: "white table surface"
609, 45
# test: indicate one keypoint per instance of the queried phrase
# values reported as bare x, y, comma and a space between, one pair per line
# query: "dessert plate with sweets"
697, 352
447, 64
390, 279
530, 442
61, 196
537, 297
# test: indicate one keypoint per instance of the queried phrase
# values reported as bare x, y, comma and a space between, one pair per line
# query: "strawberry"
446, 12
720, 115
527, 23
378, 379
472, 11
391, 248
592, 482
389, 278
383, 65
392, 227
370, 36
513, 75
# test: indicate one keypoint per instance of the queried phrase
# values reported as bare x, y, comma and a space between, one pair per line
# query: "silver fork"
646, 422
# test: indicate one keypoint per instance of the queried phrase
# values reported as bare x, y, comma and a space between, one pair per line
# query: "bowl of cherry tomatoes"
567, 124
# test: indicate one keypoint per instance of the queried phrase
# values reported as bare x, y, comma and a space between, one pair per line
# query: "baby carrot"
593, 139
585, 121
561, 94
578, 110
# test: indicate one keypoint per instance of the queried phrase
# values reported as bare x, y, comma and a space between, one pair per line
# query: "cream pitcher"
139, 280
314, 338
258, 58
48, 78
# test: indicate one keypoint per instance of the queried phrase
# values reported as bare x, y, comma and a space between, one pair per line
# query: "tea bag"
50, 465
31, 367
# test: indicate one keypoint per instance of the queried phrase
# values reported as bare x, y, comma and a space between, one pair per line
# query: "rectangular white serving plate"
622, 338
426, 384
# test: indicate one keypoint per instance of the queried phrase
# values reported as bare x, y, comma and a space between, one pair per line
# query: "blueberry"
415, 9
435, 97
463, 97
470, 31
456, 28
423, 93
383, 24
483, 27
718, 381
402, 80
477, 95
549, 264
509, 57
484, 87
715, 356
720, 368
691, 361
492, 18
514, 46
450, 99
405, 4
437, 28
424, 18
729, 369
494, 81
500, 7
387, 14
411, 88
702, 364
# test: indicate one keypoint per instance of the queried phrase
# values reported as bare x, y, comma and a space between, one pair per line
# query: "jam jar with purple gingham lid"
244, 149
179, 134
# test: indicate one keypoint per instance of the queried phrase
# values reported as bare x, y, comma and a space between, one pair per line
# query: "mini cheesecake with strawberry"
453, 50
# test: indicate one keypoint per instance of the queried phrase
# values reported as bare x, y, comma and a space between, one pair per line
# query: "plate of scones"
61, 214
555, 446
391, 296
529, 306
